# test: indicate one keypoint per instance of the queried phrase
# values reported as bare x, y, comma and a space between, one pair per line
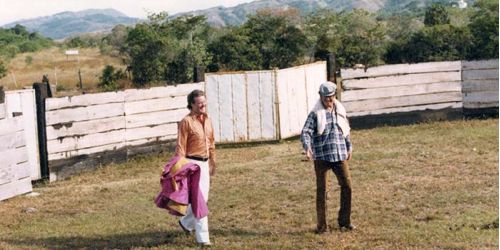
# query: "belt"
197, 158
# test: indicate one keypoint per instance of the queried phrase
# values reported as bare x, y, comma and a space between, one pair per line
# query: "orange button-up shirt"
195, 138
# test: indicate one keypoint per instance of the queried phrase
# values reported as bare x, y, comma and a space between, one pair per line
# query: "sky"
14, 10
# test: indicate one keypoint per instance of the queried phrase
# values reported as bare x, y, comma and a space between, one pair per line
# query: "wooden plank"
399, 80
14, 188
28, 107
155, 118
483, 64
85, 151
9, 126
480, 105
161, 92
153, 105
366, 94
484, 96
2, 111
84, 100
395, 69
407, 109
84, 113
254, 106
151, 132
315, 76
240, 107
284, 108
402, 101
13, 156
85, 141
7, 174
298, 107
480, 74
61, 130
158, 139
268, 120
14, 140
22, 170
212, 95
479, 85
226, 109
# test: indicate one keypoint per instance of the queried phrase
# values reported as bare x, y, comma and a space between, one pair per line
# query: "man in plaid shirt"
325, 138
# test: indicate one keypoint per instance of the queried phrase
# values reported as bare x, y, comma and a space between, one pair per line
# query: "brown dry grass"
427, 186
62, 70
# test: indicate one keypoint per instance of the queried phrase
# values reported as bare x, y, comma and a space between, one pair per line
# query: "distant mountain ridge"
68, 23
220, 16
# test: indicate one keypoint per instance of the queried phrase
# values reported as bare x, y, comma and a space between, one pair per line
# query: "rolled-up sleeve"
182, 137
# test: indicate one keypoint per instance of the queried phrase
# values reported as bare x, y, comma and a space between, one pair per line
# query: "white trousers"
200, 226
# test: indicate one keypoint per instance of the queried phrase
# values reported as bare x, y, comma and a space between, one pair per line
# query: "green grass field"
426, 186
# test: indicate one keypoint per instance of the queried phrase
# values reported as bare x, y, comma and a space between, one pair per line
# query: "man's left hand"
349, 155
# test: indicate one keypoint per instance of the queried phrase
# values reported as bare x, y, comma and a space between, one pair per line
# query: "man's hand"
309, 154
349, 155
211, 167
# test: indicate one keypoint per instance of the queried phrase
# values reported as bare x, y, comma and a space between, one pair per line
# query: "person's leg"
201, 225
321, 168
341, 170
189, 221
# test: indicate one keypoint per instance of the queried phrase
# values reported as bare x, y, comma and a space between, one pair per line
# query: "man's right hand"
309, 154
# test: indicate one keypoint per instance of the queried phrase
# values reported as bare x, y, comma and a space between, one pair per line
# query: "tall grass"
62, 70
426, 186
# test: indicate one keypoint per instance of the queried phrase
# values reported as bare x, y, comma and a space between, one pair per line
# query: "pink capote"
187, 190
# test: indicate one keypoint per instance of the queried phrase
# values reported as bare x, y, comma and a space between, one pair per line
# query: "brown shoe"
321, 230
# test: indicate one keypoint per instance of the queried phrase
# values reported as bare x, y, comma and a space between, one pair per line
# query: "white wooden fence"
15, 176
22, 102
94, 123
480, 84
262, 105
297, 94
244, 106
402, 88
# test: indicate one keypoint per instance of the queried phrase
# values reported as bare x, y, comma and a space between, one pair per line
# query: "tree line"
168, 50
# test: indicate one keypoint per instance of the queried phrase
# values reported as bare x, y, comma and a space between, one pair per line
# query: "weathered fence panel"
22, 103
15, 177
480, 84
111, 126
242, 106
402, 88
151, 115
76, 125
297, 94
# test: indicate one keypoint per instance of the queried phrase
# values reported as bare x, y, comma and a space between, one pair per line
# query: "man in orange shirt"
195, 141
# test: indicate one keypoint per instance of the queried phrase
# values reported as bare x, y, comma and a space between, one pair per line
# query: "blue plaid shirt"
331, 146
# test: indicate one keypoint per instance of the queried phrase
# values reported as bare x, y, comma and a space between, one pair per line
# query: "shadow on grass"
119, 241
150, 239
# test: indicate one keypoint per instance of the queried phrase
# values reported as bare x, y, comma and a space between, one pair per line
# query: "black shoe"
186, 231
349, 227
